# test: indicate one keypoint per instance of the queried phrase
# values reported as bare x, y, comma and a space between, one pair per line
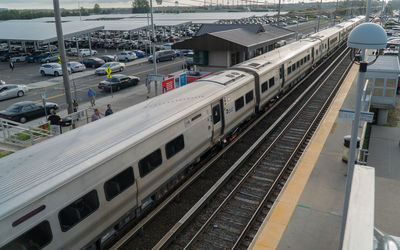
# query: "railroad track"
163, 222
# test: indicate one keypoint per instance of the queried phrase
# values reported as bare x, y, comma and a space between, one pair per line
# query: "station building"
224, 45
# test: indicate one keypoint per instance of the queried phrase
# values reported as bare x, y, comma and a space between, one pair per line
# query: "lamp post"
365, 36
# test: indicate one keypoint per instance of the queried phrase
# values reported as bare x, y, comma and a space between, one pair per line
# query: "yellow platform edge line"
274, 226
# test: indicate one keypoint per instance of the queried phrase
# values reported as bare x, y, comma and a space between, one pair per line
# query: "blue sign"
183, 79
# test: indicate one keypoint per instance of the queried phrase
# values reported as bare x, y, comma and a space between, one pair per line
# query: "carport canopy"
43, 32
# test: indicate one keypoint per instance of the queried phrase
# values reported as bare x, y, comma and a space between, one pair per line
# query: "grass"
4, 153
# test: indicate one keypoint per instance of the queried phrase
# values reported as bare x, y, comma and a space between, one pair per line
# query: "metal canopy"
28, 31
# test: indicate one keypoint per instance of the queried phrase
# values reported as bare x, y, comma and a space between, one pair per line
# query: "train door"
282, 75
218, 120
312, 54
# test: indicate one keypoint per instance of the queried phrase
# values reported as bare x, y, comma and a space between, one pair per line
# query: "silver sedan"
12, 90
114, 66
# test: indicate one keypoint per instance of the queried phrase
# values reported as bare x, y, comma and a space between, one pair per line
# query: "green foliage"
4, 153
97, 9
140, 6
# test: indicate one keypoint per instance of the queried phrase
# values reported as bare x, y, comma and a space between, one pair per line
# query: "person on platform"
75, 105
109, 110
55, 122
92, 97
96, 115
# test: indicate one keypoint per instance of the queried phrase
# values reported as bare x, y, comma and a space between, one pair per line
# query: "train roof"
33, 172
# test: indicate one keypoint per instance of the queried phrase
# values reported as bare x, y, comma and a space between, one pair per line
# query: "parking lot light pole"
63, 56
154, 46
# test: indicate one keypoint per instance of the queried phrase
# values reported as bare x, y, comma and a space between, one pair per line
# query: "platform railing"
21, 135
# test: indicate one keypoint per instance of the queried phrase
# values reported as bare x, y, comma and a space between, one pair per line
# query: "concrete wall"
218, 58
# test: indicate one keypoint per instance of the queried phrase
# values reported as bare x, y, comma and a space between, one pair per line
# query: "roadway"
56, 92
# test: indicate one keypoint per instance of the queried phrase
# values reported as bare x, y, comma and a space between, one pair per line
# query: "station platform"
308, 213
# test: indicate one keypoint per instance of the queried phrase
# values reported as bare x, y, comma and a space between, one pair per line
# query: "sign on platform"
59, 59
349, 115
155, 77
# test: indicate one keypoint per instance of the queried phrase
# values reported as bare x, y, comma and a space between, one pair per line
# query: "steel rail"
257, 163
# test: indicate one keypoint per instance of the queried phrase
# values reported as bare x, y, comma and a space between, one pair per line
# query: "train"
78, 189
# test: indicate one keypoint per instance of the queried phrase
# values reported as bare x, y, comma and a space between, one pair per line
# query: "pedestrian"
109, 110
75, 105
92, 97
55, 122
96, 115
11, 65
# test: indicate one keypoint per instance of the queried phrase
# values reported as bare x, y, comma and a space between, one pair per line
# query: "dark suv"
93, 62
118, 81
163, 55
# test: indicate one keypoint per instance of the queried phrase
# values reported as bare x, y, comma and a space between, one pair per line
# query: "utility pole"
279, 12
63, 56
319, 15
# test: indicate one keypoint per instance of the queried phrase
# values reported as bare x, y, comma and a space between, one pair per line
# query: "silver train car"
76, 190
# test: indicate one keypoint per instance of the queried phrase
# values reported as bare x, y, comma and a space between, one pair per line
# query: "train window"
119, 183
316, 52
293, 67
264, 87
298, 64
36, 238
271, 82
174, 146
216, 114
239, 103
281, 72
150, 162
289, 70
308, 58
78, 210
249, 96
301, 61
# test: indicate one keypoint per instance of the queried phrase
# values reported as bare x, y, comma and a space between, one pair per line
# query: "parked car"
19, 58
50, 58
86, 52
114, 66
108, 58
163, 55
27, 110
72, 52
12, 90
93, 62
167, 46
76, 66
173, 38
37, 56
4, 56
51, 69
139, 53
126, 56
118, 81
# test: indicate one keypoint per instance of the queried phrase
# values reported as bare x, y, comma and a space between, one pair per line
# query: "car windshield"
14, 108
106, 65
112, 80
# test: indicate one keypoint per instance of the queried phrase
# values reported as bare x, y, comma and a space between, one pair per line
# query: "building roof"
248, 39
211, 28
384, 64
234, 39
44, 32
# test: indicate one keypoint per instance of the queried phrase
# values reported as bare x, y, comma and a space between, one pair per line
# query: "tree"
97, 9
140, 6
